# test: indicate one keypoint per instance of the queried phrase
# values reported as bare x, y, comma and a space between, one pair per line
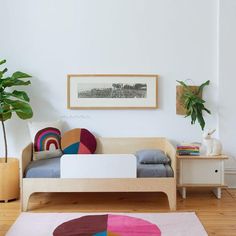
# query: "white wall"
50, 39
227, 83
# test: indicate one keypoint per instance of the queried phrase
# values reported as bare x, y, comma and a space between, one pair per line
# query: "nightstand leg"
217, 192
183, 192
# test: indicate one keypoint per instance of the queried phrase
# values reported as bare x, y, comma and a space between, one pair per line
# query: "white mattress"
98, 166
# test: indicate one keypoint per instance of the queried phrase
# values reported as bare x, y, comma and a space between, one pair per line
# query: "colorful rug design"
170, 224
107, 225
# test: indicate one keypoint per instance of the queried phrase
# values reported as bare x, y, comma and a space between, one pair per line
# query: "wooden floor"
217, 216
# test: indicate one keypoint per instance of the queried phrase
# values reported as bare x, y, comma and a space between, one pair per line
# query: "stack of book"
188, 150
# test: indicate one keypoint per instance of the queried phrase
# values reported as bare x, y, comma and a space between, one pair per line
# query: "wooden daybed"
106, 146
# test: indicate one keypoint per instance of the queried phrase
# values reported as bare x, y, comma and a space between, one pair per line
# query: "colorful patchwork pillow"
46, 138
78, 141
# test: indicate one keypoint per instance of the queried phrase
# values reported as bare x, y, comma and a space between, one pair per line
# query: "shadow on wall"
43, 110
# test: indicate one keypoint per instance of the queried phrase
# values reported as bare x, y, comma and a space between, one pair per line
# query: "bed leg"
25, 200
171, 195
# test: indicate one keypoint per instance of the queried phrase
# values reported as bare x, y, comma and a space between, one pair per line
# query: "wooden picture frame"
108, 91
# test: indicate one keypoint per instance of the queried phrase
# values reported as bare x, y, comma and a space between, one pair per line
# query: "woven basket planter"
9, 179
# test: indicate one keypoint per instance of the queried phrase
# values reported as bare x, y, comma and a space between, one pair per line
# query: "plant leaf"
182, 83
22, 109
200, 119
2, 62
18, 94
193, 104
2, 72
205, 109
25, 115
9, 82
202, 86
16, 101
5, 112
5, 116
20, 75
194, 116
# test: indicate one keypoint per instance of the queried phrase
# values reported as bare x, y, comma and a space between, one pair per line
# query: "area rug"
107, 224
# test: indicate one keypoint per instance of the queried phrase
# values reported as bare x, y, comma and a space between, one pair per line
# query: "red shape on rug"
85, 225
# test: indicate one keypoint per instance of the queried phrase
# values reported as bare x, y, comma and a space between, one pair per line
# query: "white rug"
170, 224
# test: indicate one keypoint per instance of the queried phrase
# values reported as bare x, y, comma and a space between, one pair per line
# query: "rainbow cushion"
78, 141
46, 138
47, 143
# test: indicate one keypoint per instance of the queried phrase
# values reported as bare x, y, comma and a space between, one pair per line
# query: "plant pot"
9, 179
180, 110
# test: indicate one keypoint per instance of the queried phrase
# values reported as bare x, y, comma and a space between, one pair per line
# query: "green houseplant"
194, 104
11, 101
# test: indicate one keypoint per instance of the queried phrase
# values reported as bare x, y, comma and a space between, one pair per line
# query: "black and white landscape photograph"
112, 90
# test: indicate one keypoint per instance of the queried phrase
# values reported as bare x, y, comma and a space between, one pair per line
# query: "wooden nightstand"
201, 171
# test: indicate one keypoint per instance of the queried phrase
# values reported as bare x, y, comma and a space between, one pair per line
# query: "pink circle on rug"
131, 226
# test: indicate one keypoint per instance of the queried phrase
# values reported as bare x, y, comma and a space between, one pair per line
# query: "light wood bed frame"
106, 146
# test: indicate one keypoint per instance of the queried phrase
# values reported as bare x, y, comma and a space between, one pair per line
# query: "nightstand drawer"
201, 172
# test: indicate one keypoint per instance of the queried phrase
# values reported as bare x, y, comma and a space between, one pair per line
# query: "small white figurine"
213, 145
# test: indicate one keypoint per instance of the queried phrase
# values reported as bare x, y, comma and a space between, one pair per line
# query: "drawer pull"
216, 171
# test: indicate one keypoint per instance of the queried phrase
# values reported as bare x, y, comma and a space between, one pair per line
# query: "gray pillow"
151, 156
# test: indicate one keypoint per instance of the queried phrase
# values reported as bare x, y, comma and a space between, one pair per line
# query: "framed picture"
112, 91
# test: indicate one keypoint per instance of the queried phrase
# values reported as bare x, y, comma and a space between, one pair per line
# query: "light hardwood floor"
217, 216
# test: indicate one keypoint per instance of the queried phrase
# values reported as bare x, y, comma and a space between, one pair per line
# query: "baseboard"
230, 177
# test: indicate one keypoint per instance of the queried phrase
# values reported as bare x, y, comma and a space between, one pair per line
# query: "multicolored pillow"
47, 140
78, 141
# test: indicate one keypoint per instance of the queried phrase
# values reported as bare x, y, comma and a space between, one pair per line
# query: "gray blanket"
47, 168
154, 170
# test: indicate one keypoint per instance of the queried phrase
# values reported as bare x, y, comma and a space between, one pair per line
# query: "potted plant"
11, 101
193, 103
